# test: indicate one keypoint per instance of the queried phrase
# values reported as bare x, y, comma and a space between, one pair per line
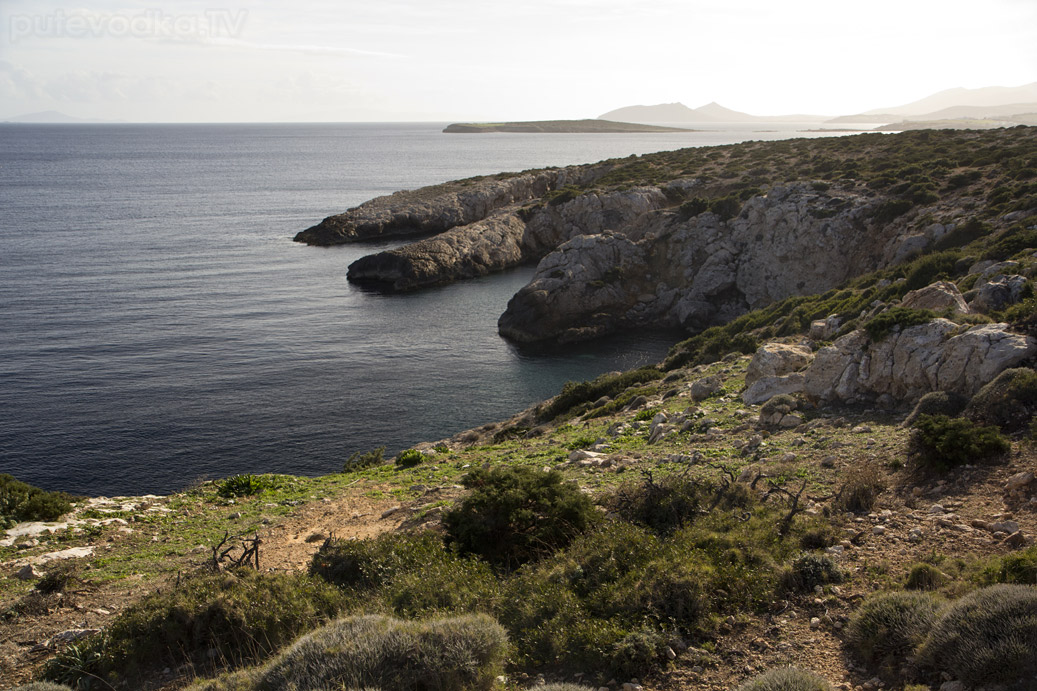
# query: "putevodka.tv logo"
147, 24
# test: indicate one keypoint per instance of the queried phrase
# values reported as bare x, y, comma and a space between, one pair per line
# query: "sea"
158, 325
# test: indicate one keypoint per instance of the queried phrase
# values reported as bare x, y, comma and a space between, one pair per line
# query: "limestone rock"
997, 293
705, 387
766, 388
937, 296
936, 356
825, 329
777, 359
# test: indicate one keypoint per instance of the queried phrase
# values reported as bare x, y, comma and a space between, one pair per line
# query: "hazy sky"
332, 60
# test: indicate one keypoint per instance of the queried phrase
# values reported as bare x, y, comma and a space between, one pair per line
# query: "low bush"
22, 502
1017, 567
1009, 401
925, 577
861, 488
890, 210
231, 618
409, 458
808, 571
359, 461
451, 585
987, 637
937, 403
941, 442
669, 504
367, 564
883, 324
786, 679
459, 654
639, 650
573, 394
514, 514
245, 485
889, 627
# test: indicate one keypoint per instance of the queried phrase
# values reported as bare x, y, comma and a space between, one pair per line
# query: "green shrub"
925, 577
1017, 567
786, 679
410, 458
940, 442
669, 504
574, 394
782, 403
1009, 401
452, 585
245, 485
693, 207
359, 461
937, 403
987, 637
726, 207
456, 654
808, 571
514, 514
889, 627
367, 564
891, 209
243, 616
882, 324
861, 488
22, 502
638, 651
929, 268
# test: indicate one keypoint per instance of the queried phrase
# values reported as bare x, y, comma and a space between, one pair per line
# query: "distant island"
559, 126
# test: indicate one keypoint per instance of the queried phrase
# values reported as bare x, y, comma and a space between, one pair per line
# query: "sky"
449, 60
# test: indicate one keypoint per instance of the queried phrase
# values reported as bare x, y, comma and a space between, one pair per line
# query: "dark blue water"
157, 324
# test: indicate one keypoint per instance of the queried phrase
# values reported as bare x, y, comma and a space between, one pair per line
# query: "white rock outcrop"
909, 363
938, 297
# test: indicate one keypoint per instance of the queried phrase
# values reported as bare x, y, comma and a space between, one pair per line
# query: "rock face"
937, 297
700, 271
997, 293
936, 356
440, 207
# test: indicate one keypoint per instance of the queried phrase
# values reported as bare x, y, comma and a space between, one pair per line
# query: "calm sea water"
158, 325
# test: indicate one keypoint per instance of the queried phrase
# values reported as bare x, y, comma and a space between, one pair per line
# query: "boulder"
825, 329
777, 359
909, 363
937, 297
705, 387
766, 388
997, 293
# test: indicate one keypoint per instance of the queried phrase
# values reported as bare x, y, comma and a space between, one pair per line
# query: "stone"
825, 329
952, 686
1003, 527
27, 573
939, 296
997, 293
777, 359
766, 388
1016, 539
705, 387
1019, 481
815, 623
70, 636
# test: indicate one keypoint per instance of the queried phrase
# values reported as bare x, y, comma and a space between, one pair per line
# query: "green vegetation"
246, 485
809, 571
513, 515
409, 458
228, 619
359, 461
881, 325
573, 394
889, 627
987, 637
786, 679
1009, 401
22, 502
940, 442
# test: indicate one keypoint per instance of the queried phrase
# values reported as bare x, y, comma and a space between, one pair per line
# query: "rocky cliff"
696, 237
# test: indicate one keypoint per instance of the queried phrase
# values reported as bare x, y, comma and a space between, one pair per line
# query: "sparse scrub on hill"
786, 679
666, 505
246, 485
940, 442
409, 458
515, 514
860, 489
987, 637
889, 627
1018, 567
573, 394
360, 460
925, 577
20, 501
231, 618
884, 323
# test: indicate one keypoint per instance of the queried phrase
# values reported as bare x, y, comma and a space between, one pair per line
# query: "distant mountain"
986, 96
50, 117
980, 112
711, 112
